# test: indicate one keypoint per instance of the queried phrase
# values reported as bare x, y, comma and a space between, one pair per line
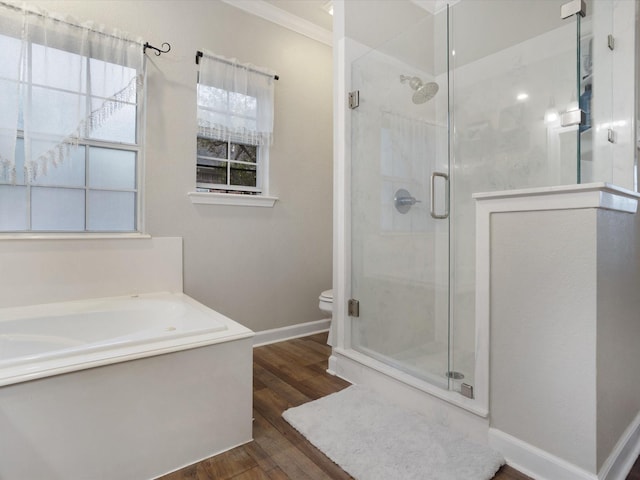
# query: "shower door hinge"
611, 42
573, 117
354, 99
466, 390
611, 136
573, 7
354, 308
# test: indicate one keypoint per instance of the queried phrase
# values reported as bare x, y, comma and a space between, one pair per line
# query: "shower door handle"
433, 195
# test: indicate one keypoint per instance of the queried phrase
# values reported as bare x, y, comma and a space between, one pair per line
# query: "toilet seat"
327, 296
326, 301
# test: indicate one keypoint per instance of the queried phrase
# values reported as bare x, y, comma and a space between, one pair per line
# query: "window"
235, 126
228, 167
71, 157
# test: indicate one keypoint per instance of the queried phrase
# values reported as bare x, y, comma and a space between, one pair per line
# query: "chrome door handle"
433, 195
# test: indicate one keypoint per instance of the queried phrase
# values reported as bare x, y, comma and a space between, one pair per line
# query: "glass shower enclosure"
442, 109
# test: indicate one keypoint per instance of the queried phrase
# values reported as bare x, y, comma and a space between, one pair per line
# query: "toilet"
325, 303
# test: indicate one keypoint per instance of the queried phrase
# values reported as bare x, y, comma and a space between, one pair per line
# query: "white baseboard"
275, 335
542, 465
625, 453
533, 461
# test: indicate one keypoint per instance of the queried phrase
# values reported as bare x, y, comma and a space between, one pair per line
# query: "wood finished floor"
285, 375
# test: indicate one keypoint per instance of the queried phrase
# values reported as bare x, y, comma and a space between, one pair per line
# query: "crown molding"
434, 6
265, 10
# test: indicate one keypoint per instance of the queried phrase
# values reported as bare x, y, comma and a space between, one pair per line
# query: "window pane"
212, 148
118, 126
244, 105
20, 161
211, 97
56, 68
111, 211
70, 173
58, 209
13, 208
57, 111
10, 56
111, 168
211, 171
244, 175
110, 78
244, 153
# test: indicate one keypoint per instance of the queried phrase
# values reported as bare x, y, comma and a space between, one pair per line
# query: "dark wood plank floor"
285, 375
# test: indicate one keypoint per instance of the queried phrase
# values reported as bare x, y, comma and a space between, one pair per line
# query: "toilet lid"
327, 296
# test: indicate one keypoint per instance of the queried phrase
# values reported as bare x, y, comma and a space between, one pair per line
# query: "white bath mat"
372, 439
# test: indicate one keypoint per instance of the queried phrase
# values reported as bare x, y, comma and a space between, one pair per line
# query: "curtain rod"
199, 55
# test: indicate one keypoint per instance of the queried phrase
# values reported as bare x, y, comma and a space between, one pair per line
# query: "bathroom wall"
263, 267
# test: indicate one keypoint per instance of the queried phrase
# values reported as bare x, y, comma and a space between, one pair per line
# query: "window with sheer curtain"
235, 125
70, 109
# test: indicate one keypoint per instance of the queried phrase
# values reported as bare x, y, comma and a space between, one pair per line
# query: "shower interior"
473, 120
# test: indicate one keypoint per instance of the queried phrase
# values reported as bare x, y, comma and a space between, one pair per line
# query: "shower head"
422, 91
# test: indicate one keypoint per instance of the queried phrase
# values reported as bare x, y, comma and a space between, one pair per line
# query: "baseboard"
275, 335
542, 465
535, 462
625, 453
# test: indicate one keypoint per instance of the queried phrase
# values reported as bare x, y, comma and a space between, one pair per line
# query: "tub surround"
46, 270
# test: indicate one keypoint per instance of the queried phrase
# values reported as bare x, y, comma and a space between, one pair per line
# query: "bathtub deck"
284, 375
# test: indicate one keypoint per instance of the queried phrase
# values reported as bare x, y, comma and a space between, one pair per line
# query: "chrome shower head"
422, 91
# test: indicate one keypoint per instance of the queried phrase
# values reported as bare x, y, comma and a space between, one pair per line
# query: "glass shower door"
399, 201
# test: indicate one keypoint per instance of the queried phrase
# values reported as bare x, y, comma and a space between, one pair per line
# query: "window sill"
209, 198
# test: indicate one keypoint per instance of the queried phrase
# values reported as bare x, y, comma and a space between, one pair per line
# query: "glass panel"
110, 168
208, 147
243, 175
20, 180
70, 173
57, 68
57, 111
244, 153
57, 209
213, 98
510, 89
109, 78
111, 211
119, 124
211, 172
399, 251
13, 208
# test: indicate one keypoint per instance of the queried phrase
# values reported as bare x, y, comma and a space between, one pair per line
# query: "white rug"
372, 439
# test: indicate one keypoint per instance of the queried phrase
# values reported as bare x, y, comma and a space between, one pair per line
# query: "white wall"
262, 267
618, 355
543, 331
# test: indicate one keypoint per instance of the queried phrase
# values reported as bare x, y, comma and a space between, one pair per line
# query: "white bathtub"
172, 386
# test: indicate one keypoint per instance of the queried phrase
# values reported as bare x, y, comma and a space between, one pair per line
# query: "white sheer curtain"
63, 82
235, 100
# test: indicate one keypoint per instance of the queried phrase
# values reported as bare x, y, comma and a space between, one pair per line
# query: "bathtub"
123, 387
